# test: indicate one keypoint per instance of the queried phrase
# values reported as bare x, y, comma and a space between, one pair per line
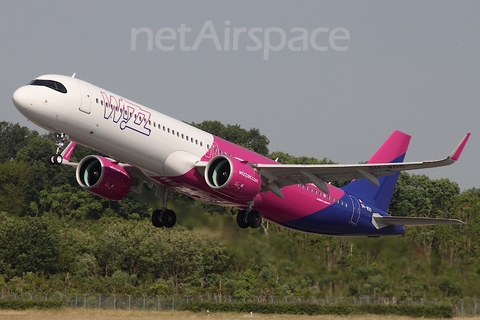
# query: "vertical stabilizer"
392, 150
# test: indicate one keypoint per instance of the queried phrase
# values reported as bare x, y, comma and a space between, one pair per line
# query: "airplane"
144, 145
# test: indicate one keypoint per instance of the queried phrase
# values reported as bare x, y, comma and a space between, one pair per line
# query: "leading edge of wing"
385, 221
338, 172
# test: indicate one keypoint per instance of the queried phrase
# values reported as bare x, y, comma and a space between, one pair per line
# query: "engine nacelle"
233, 178
103, 177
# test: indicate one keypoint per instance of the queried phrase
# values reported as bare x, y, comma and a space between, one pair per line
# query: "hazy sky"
319, 78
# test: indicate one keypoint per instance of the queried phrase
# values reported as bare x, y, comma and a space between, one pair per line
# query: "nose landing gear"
57, 158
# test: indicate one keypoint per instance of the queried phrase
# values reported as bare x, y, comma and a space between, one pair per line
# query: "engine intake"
103, 177
233, 178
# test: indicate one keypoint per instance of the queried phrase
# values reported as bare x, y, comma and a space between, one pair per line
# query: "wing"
277, 176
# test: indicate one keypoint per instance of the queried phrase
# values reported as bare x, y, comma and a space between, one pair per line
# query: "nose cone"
21, 99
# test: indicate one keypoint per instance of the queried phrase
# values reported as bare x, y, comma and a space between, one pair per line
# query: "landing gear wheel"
242, 219
157, 218
164, 218
254, 219
55, 159
169, 218
58, 159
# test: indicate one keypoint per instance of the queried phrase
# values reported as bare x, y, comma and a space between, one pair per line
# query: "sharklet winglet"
455, 155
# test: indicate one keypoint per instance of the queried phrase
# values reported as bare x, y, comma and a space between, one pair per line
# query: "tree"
28, 244
286, 158
72, 202
12, 138
418, 195
15, 188
251, 139
110, 251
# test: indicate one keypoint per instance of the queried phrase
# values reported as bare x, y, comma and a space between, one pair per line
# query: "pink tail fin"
392, 150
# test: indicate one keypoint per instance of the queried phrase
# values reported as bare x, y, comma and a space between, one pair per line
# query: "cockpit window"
55, 85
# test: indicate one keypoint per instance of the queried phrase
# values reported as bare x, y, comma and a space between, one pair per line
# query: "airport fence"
466, 307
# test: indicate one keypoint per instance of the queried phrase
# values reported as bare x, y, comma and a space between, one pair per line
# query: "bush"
30, 304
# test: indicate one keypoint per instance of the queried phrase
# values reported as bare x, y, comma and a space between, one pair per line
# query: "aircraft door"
85, 97
355, 211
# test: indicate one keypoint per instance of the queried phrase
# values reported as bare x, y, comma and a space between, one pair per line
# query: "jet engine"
233, 178
103, 177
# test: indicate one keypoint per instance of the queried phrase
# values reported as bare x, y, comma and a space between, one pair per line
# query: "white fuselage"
95, 117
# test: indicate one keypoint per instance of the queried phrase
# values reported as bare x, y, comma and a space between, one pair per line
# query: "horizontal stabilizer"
381, 221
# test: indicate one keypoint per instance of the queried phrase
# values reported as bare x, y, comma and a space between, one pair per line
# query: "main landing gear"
164, 217
249, 218
56, 159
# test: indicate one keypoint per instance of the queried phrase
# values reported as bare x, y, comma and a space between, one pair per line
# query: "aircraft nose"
21, 98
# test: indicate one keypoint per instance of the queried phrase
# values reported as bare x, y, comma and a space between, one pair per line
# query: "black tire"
51, 160
58, 159
157, 218
254, 219
169, 218
241, 219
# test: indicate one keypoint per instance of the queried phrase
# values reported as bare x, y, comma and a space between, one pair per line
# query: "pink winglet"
458, 151
67, 153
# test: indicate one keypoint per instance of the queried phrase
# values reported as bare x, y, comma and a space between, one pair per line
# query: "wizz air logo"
126, 113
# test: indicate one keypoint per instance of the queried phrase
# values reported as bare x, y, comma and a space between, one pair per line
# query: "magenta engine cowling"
103, 177
233, 178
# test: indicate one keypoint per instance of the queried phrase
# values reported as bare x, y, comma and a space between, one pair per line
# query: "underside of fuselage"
343, 217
